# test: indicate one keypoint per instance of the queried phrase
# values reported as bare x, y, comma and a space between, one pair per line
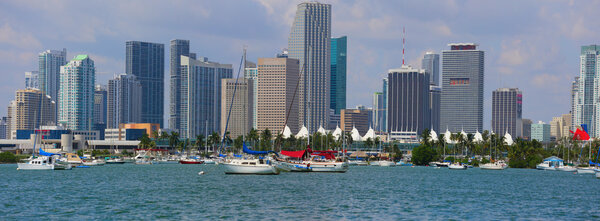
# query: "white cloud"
18, 39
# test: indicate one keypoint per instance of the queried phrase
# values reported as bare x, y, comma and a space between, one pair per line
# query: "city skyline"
515, 56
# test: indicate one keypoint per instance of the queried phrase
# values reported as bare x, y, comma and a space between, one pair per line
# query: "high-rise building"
408, 104
100, 104
574, 95
146, 61
32, 79
507, 107
384, 121
124, 100
236, 115
355, 118
178, 48
431, 65
587, 104
200, 90
49, 63
377, 110
462, 88
560, 126
31, 109
337, 100
251, 72
540, 132
310, 43
76, 100
435, 96
527, 129
3, 127
277, 82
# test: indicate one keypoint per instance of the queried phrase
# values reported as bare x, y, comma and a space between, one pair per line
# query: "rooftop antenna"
403, 39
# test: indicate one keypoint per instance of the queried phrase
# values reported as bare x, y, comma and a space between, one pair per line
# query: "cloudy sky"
532, 45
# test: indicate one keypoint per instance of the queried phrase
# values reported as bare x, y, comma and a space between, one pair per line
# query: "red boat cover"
327, 155
296, 154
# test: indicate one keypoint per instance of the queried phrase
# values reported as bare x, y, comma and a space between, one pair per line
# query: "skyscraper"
277, 81
355, 118
435, 96
574, 95
200, 89
377, 110
178, 48
337, 100
100, 102
251, 72
49, 63
239, 113
31, 109
408, 104
146, 61
3, 127
124, 100
32, 79
431, 64
507, 106
462, 88
309, 42
540, 132
587, 104
76, 100
384, 90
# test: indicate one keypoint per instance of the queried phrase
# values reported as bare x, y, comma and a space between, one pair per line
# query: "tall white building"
76, 99
32, 79
124, 100
310, 43
49, 69
586, 108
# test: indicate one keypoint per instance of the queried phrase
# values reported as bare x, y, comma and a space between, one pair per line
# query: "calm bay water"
172, 191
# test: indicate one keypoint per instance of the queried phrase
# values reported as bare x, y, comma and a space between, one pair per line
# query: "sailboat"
260, 166
44, 161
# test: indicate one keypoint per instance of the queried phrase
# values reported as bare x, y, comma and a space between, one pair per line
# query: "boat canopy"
554, 159
44, 153
359, 154
295, 154
254, 152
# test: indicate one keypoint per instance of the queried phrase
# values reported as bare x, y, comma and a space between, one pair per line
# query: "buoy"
201, 173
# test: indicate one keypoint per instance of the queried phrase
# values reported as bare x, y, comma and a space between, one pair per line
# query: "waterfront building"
587, 105
408, 105
149, 128
236, 115
100, 104
377, 111
310, 43
76, 99
32, 79
355, 118
200, 91
507, 107
431, 65
178, 48
462, 88
251, 72
123, 134
146, 61
337, 100
526, 129
540, 132
435, 96
49, 65
124, 100
31, 109
3, 127
277, 82
560, 126
384, 114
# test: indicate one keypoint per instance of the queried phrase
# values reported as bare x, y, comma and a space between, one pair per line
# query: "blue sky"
532, 45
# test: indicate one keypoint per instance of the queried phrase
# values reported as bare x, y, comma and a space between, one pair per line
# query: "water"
172, 191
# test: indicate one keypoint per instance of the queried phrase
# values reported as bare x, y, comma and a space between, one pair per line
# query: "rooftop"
80, 57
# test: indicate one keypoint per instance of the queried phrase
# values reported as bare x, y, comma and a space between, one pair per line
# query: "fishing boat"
550, 163
498, 165
44, 161
457, 166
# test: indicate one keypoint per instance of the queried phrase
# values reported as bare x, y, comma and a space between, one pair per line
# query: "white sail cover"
433, 136
370, 134
355, 135
322, 130
508, 139
337, 133
447, 137
477, 138
287, 132
303, 133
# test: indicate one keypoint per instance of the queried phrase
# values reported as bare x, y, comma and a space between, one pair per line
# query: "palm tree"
199, 141
214, 139
144, 141
265, 139
155, 135
279, 140
227, 139
426, 136
252, 137
173, 139
442, 143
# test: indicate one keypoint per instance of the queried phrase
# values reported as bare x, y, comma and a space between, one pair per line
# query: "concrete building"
431, 65
76, 101
377, 111
587, 105
200, 90
334, 120
123, 134
238, 112
146, 61
100, 104
32, 80
574, 95
435, 97
507, 108
527, 129
462, 88
384, 90
251, 72
540, 132
408, 103
310, 43
337, 100
277, 83
355, 118
560, 126
31, 109
124, 100
178, 48
148, 128
3, 127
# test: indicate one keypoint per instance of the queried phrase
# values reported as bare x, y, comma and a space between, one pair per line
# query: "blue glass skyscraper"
337, 100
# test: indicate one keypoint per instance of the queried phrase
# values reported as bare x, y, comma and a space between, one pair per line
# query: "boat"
143, 162
598, 175
293, 161
44, 161
498, 165
325, 161
209, 161
566, 168
550, 163
585, 170
250, 166
95, 162
386, 163
115, 161
443, 164
403, 163
191, 161
457, 166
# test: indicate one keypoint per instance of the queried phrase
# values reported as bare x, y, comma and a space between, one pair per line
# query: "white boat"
115, 161
249, 166
550, 163
598, 175
498, 165
327, 166
566, 168
73, 159
43, 163
457, 166
386, 163
585, 170
143, 162
442, 164
94, 163
209, 161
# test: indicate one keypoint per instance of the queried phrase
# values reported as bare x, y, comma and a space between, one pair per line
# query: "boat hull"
457, 167
331, 167
598, 175
190, 162
250, 169
386, 164
586, 171
492, 166
566, 169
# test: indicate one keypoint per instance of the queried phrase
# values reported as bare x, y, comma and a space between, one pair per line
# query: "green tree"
279, 141
422, 155
173, 140
238, 142
265, 139
369, 142
252, 137
426, 137
144, 141
155, 135
214, 140
7, 157
199, 141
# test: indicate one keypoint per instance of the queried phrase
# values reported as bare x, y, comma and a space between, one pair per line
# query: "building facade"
377, 111
355, 118
146, 61
408, 104
435, 97
251, 73
431, 65
310, 43
31, 109
200, 89
337, 100
124, 100
462, 88
540, 132
3, 127
178, 48
574, 95
32, 79
587, 101
560, 126
277, 82
237, 106
100, 104
527, 129
76, 100
507, 108
384, 90
49, 66
149, 128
